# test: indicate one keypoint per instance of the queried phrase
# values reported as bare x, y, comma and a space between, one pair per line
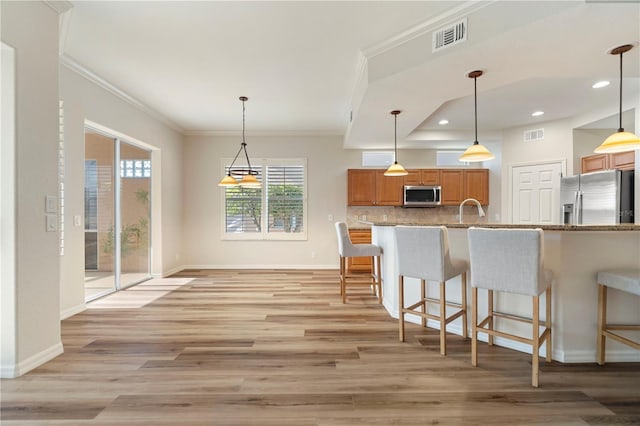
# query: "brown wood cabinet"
422, 177
623, 160
361, 187
452, 187
617, 161
389, 189
595, 163
476, 185
370, 187
359, 264
458, 185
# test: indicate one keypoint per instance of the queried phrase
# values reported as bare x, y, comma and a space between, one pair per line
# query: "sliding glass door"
117, 187
135, 188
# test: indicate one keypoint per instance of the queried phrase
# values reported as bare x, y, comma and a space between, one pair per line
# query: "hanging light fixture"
476, 152
247, 173
395, 169
620, 141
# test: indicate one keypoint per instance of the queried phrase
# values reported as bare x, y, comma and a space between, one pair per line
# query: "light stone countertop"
621, 227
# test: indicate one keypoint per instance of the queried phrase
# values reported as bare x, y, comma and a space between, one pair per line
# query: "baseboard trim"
324, 267
24, 366
69, 312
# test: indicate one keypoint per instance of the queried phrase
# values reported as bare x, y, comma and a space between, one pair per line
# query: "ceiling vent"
377, 158
448, 36
533, 135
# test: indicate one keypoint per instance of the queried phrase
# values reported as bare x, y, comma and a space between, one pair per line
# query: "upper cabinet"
595, 163
361, 187
452, 187
599, 162
623, 160
422, 177
476, 185
370, 187
389, 189
458, 185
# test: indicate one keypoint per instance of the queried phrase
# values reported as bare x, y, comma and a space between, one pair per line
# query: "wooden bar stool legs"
627, 281
423, 254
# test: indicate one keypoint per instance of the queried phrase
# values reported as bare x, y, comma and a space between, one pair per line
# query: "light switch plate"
51, 204
77, 220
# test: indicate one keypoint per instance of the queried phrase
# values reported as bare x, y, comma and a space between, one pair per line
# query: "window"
277, 211
135, 168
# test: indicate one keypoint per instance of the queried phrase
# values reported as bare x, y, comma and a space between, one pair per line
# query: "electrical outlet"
330, 218
51, 223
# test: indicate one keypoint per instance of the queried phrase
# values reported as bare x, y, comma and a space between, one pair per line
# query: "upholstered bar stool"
347, 249
510, 260
423, 252
623, 280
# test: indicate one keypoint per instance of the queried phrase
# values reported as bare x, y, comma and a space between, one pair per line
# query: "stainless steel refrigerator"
600, 198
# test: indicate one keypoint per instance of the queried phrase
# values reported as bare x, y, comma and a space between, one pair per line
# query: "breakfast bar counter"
574, 253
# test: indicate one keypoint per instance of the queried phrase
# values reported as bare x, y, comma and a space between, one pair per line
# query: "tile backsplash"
439, 215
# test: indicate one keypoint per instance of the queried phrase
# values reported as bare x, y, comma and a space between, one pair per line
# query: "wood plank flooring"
279, 348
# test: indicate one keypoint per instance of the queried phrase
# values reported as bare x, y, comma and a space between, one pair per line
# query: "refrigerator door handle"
579, 208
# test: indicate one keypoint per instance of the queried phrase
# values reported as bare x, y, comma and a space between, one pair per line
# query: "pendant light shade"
247, 174
476, 152
395, 169
620, 141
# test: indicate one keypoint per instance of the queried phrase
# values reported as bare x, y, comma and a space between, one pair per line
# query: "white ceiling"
307, 66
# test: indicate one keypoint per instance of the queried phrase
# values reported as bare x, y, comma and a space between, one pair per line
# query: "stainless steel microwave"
422, 196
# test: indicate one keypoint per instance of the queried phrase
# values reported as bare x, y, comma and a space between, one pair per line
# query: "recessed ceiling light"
537, 113
598, 85
443, 122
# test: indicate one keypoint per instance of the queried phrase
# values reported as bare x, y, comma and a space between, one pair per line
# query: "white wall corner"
15, 370
69, 312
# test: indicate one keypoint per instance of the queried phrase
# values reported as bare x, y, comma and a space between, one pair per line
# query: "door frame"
119, 138
563, 167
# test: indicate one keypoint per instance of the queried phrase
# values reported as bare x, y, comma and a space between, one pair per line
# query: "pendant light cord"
475, 107
620, 129
244, 144
395, 138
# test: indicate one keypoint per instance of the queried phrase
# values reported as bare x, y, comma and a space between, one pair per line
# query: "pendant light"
248, 174
476, 152
395, 169
620, 141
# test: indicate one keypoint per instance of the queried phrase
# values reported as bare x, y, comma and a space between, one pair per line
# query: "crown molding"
74, 66
427, 26
264, 133
59, 6
64, 22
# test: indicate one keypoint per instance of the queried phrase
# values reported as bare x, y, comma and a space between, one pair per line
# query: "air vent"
449, 35
377, 158
533, 135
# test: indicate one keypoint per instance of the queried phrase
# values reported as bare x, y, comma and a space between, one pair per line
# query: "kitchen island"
575, 253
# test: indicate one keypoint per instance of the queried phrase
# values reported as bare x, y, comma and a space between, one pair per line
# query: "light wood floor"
278, 348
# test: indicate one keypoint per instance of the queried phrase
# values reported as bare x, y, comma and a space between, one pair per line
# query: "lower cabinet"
359, 264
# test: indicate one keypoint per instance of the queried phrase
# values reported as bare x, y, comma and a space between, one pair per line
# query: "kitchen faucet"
480, 210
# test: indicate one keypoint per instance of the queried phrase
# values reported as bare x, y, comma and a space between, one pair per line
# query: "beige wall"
32, 29
327, 163
327, 185
86, 101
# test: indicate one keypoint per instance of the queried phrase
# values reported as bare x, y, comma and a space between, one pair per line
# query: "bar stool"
347, 249
423, 252
624, 280
510, 260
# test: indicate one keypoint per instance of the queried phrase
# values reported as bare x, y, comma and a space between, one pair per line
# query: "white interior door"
535, 193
